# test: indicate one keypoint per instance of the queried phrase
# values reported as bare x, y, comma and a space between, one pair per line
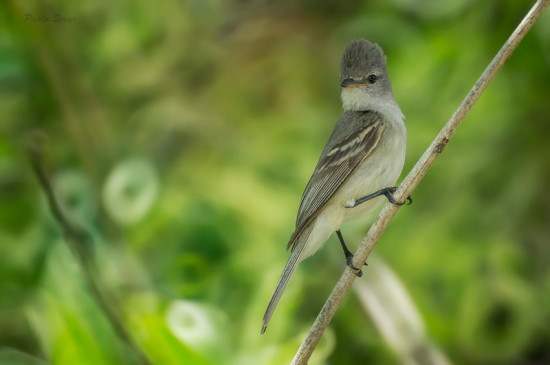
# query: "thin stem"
80, 242
411, 181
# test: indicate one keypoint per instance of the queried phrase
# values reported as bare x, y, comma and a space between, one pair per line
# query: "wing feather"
352, 140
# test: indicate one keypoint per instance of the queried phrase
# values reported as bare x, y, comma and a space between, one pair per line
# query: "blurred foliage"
181, 135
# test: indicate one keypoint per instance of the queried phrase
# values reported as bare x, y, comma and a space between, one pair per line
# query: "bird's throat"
357, 99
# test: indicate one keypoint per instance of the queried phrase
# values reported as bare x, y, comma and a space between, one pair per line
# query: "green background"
181, 134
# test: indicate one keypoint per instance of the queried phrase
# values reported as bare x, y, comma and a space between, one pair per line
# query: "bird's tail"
294, 259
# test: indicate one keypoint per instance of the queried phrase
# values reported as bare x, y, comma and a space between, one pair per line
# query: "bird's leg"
387, 192
348, 254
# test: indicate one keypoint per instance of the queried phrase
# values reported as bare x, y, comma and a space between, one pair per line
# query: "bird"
360, 163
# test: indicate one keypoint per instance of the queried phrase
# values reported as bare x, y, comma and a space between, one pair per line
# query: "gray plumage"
353, 137
364, 154
361, 55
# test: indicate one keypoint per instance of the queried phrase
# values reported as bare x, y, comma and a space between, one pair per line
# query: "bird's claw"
349, 262
389, 195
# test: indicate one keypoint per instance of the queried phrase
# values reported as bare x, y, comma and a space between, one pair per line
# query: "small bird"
359, 165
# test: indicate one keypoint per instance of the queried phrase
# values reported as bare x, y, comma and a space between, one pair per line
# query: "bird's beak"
351, 83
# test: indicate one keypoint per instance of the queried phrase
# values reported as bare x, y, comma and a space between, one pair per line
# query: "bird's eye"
372, 79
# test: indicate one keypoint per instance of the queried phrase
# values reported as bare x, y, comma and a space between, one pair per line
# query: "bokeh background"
180, 135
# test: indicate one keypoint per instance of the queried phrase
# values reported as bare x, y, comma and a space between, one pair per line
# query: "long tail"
293, 261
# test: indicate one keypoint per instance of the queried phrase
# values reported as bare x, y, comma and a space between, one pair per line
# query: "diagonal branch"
80, 242
411, 181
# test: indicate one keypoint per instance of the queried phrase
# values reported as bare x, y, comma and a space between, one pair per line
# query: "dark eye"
372, 79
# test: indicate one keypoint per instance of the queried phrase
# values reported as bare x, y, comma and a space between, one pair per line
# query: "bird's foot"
388, 193
349, 262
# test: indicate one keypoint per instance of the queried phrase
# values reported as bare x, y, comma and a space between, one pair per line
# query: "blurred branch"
79, 242
411, 181
393, 312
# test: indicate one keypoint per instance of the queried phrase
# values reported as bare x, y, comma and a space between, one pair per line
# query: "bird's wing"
348, 145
